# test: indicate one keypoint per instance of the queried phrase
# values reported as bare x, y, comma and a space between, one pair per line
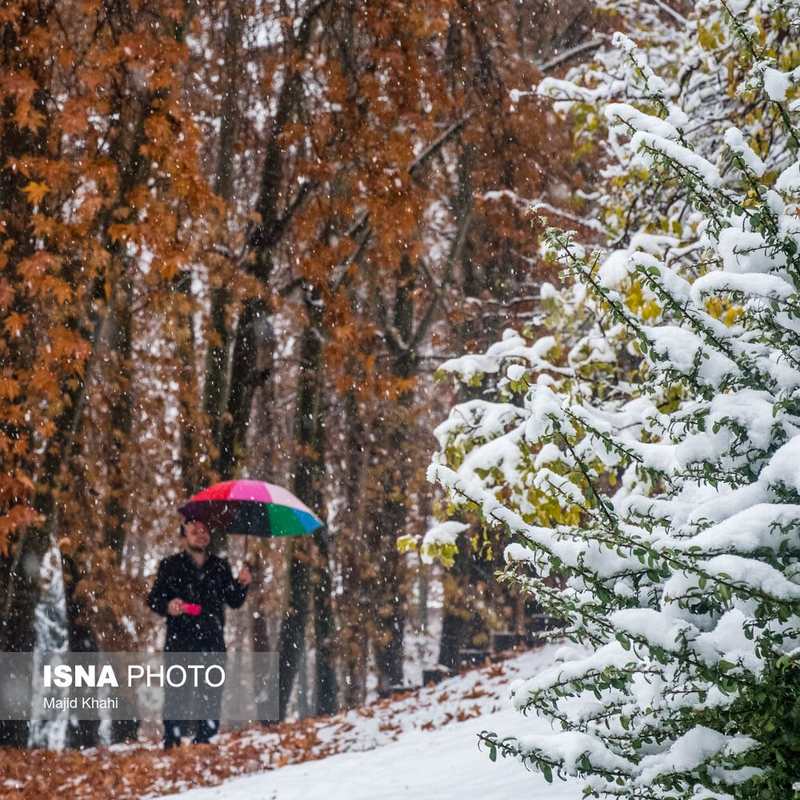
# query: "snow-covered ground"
436, 765
422, 744
422, 760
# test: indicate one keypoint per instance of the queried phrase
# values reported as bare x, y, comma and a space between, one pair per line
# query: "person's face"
197, 535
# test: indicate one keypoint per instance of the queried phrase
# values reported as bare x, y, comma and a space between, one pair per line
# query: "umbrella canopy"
252, 508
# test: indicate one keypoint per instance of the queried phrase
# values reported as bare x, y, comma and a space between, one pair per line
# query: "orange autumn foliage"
100, 187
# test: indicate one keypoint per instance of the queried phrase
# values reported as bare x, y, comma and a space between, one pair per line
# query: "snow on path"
444, 764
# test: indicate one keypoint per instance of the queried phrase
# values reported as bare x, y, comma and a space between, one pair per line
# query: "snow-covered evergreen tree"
655, 501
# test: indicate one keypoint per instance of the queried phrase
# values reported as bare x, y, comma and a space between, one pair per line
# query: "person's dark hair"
185, 522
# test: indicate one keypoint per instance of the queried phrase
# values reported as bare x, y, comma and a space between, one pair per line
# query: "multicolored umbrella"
252, 508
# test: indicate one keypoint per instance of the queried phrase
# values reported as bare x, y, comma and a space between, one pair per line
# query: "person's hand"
175, 607
245, 576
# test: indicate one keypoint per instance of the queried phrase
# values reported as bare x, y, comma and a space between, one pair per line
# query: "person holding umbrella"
191, 590
193, 587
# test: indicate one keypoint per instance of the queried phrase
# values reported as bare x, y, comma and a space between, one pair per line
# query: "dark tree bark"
290, 640
193, 471
21, 595
121, 417
81, 734
217, 355
354, 604
259, 638
252, 333
117, 510
462, 624
390, 521
309, 570
324, 629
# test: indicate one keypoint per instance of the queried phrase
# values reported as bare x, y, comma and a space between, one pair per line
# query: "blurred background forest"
236, 239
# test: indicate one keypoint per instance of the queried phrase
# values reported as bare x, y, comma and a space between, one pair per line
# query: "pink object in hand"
192, 609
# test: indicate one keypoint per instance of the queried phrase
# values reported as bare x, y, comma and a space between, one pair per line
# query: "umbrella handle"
246, 542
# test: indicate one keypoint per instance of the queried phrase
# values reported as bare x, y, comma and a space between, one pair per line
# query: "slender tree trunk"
121, 418
456, 613
423, 577
290, 640
259, 638
193, 470
267, 452
216, 361
306, 487
19, 575
309, 569
392, 516
324, 629
354, 610
391, 611
215, 388
304, 706
81, 734
253, 332
121, 423
456, 582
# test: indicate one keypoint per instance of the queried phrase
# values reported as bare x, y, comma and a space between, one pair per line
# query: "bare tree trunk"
215, 388
259, 638
354, 603
423, 577
391, 519
324, 630
121, 417
253, 333
189, 410
309, 569
459, 619
121, 422
292, 633
17, 634
83, 733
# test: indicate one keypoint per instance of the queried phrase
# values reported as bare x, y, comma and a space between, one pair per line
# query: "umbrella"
252, 508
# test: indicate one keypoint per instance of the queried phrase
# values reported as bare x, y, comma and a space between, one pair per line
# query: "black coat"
210, 586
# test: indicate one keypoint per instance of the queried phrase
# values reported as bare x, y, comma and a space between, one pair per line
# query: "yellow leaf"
407, 544
35, 192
